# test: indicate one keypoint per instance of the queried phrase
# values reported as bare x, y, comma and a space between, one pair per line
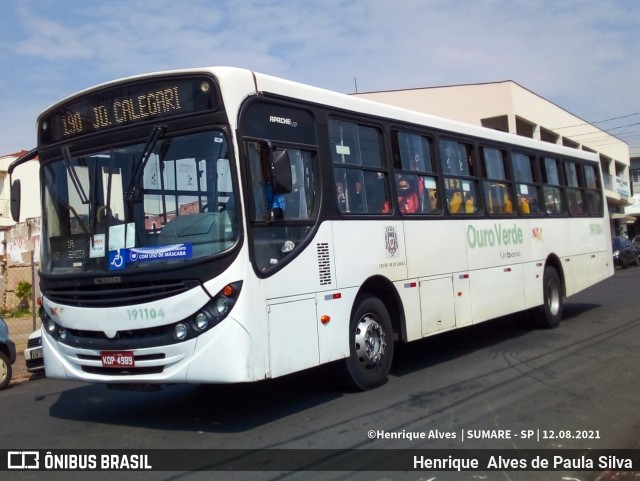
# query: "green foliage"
18, 312
23, 292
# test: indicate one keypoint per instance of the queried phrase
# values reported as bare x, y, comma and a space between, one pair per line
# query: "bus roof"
244, 83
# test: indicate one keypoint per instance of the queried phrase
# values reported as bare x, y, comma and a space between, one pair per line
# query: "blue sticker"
119, 258
116, 260
145, 254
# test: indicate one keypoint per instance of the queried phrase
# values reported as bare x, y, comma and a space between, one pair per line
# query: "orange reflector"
324, 319
228, 290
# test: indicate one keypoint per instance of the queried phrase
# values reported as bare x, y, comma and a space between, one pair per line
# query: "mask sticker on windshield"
120, 258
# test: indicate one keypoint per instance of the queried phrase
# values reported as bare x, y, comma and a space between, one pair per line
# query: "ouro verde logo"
498, 235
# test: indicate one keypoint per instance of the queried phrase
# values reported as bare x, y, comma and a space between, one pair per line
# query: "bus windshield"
164, 200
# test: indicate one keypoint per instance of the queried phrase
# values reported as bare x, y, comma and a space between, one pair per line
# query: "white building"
509, 107
634, 208
18, 241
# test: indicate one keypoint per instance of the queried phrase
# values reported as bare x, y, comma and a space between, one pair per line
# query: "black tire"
370, 345
636, 261
5, 370
549, 313
623, 262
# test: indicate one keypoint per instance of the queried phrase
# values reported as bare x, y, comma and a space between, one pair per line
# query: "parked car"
636, 243
624, 254
7, 355
33, 352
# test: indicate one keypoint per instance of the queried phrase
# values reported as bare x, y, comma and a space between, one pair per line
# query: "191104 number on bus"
145, 313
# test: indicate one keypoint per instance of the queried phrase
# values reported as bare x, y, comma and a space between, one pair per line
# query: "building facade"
634, 209
19, 242
509, 107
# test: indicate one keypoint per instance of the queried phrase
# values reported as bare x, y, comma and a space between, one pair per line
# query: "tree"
23, 292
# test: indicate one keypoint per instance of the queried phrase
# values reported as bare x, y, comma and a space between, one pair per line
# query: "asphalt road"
496, 379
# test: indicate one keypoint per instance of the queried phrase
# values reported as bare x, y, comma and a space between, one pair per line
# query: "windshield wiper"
66, 153
152, 140
75, 180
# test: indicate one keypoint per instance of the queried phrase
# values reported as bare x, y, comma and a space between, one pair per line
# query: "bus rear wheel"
370, 344
549, 314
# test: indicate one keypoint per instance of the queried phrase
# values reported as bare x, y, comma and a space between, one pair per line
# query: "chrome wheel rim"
370, 342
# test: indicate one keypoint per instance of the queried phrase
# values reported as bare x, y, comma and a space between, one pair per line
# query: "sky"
582, 55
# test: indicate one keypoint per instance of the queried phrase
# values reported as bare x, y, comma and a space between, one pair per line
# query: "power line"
597, 121
597, 133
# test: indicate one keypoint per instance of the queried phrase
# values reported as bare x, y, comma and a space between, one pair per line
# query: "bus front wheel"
550, 313
370, 344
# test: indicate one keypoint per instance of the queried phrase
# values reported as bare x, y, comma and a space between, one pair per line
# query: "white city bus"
219, 225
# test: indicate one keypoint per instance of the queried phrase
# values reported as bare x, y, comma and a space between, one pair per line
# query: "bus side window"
413, 161
553, 201
362, 183
593, 193
528, 199
429, 199
497, 188
377, 194
575, 188
553, 194
526, 177
458, 163
461, 196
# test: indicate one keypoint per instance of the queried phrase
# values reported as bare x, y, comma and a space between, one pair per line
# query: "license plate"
117, 359
36, 354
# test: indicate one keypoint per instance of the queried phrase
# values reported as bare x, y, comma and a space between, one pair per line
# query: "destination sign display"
128, 104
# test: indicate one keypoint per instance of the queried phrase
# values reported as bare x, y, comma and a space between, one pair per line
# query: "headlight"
201, 321
221, 306
180, 331
50, 326
213, 312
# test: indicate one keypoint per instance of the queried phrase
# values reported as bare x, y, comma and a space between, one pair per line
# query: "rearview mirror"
15, 200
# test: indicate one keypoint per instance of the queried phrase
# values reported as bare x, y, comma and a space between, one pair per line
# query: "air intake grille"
324, 264
120, 295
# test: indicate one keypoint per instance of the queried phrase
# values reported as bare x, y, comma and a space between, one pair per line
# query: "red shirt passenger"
408, 199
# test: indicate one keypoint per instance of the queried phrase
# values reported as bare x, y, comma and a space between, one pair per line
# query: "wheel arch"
383, 289
5, 350
554, 261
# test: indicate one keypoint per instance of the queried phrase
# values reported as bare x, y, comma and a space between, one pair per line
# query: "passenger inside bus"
454, 195
469, 205
552, 202
432, 201
408, 199
498, 198
275, 203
